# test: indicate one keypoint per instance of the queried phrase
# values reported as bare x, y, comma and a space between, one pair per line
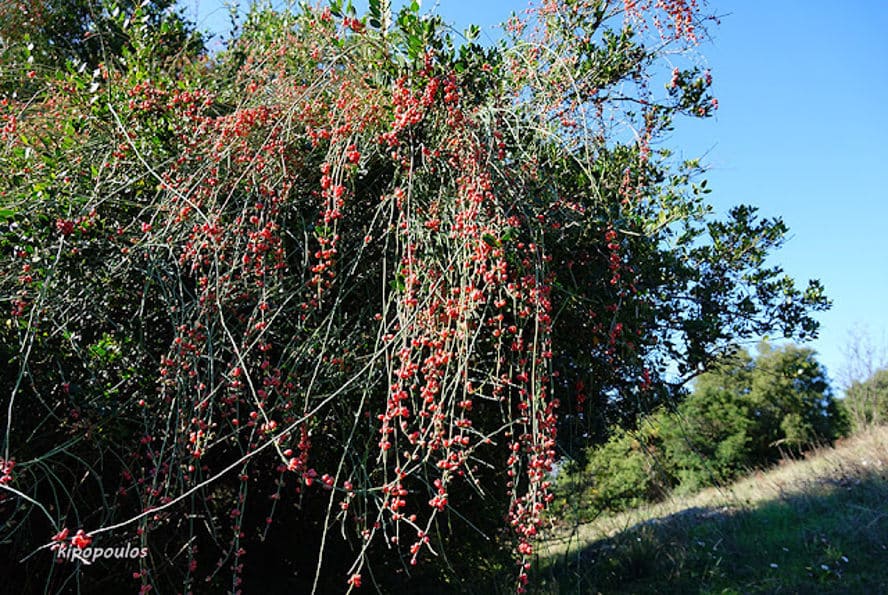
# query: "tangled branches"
339, 277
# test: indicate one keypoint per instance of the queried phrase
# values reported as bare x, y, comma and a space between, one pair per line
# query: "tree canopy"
749, 412
91, 32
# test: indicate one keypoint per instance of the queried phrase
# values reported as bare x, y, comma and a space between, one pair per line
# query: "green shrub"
707, 441
867, 401
744, 413
629, 469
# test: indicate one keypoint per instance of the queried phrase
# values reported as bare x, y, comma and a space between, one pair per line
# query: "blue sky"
800, 133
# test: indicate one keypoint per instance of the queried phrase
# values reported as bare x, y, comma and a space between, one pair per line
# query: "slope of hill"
814, 525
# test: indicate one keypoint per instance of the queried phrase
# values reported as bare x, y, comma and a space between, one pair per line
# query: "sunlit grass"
816, 525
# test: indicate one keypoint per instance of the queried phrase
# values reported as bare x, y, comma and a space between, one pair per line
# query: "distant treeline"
746, 413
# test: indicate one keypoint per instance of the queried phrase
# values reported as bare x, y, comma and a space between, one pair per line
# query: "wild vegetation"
745, 414
323, 311
867, 400
813, 524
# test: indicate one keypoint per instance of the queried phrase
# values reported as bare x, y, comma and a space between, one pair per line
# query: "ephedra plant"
321, 311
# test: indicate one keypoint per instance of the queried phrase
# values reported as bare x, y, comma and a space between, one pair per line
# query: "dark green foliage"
628, 469
792, 404
748, 413
708, 441
745, 413
91, 32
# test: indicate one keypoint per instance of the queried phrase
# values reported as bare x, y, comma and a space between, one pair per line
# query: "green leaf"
398, 283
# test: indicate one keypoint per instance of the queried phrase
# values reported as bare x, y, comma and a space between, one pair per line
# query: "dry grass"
792, 528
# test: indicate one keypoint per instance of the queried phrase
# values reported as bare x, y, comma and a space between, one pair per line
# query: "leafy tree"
792, 402
338, 293
744, 413
89, 32
708, 440
748, 412
867, 401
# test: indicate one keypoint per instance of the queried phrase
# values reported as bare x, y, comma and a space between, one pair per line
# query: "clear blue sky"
800, 133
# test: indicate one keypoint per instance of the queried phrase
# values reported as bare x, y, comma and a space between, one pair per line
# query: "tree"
743, 413
747, 413
792, 402
862, 379
867, 401
344, 279
59, 34
709, 435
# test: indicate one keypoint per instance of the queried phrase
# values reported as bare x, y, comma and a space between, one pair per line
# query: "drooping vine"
345, 276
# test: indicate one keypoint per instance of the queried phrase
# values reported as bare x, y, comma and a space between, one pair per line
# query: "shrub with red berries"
331, 303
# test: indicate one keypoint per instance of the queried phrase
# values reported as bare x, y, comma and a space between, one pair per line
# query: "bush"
867, 401
743, 414
324, 294
629, 469
707, 441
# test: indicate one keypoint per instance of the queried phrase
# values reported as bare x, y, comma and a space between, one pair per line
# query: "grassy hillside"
816, 525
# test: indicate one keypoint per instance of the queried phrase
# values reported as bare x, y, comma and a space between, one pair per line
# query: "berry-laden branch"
346, 290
